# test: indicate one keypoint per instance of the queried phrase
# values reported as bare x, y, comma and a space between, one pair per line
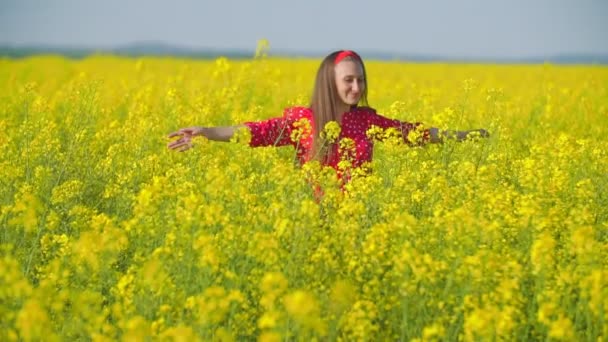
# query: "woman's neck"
343, 108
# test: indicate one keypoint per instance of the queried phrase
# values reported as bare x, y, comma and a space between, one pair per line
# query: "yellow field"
107, 235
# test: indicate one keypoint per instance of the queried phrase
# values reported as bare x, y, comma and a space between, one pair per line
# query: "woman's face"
350, 81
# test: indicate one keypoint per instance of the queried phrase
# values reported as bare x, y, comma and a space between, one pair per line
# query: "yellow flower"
542, 253
433, 331
331, 132
33, 322
303, 307
67, 191
375, 132
179, 333
241, 136
262, 48
302, 130
360, 322
562, 329
342, 294
270, 336
269, 320
273, 285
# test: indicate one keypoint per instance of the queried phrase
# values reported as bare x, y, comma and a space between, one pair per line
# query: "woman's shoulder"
297, 112
365, 110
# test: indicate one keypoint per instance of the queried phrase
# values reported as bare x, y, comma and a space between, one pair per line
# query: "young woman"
340, 87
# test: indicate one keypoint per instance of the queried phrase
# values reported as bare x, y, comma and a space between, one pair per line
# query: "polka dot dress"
355, 124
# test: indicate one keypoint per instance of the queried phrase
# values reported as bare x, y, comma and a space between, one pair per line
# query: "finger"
174, 134
185, 147
177, 144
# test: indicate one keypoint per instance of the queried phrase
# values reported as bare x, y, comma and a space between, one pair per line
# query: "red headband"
345, 53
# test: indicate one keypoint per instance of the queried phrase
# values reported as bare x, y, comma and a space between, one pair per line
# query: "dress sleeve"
403, 126
272, 132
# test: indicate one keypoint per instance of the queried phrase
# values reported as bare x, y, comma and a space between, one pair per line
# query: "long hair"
325, 101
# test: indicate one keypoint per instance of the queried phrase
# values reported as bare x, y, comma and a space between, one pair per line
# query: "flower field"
108, 235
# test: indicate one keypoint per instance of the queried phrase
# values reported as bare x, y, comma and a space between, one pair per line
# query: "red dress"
355, 124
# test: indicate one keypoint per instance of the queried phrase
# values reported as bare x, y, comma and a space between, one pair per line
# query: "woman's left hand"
185, 138
482, 133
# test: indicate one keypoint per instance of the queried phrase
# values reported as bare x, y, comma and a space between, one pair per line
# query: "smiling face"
350, 81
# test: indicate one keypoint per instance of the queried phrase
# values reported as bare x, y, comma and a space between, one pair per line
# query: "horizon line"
164, 49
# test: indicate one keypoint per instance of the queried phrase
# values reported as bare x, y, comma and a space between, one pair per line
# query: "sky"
448, 28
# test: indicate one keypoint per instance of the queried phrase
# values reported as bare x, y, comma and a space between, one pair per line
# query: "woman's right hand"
185, 138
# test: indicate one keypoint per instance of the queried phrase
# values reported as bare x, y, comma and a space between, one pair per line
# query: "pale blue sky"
465, 28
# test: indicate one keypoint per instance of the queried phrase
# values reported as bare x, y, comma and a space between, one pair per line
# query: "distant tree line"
161, 49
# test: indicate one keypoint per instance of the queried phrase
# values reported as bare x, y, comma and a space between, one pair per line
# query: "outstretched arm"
270, 132
432, 135
438, 136
212, 133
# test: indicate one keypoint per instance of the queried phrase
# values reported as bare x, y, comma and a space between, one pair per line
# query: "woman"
340, 87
